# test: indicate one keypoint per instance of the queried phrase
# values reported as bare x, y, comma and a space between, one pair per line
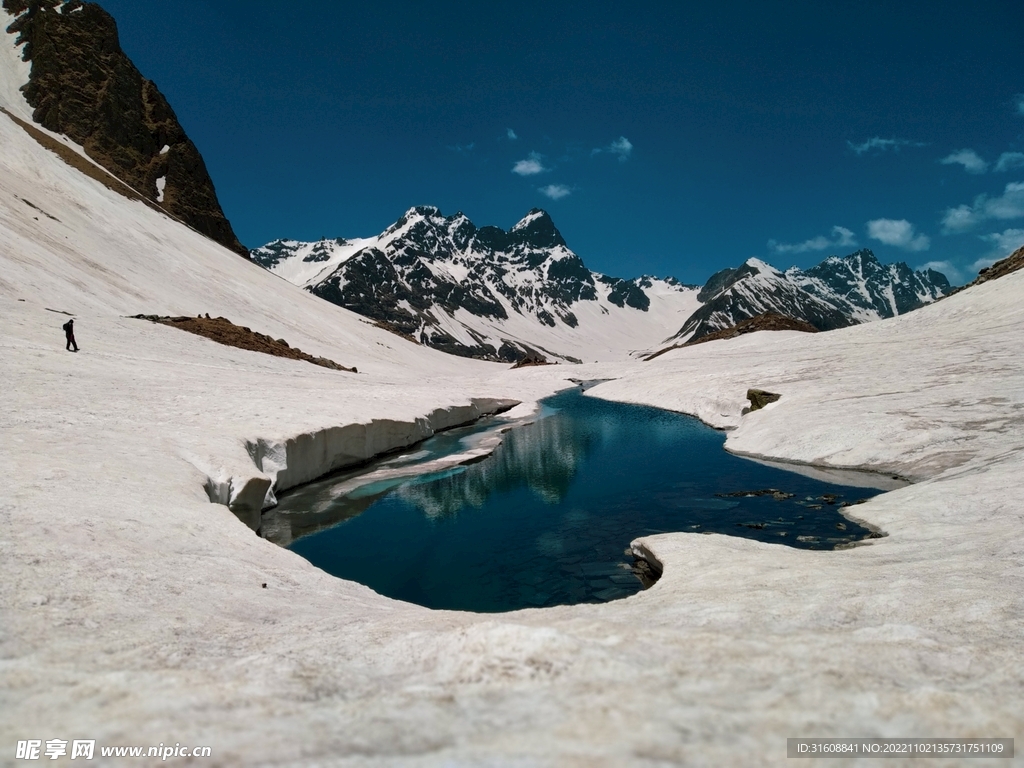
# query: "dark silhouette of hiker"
69, 332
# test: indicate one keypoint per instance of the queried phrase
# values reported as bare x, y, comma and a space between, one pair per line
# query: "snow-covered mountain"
866, 290
485, 292
838, 292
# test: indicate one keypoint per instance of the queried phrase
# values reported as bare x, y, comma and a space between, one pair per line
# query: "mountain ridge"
82, 85
838, 292
446, 283
479, 291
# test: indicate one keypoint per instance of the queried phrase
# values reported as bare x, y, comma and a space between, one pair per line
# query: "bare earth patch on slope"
767, 321
223, 331
79, 163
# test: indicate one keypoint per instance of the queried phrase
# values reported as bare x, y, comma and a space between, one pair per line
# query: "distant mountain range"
505, 295
485, 292
836, 293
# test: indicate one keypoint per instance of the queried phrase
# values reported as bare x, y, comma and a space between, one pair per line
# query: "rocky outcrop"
764, 322
759, 398
768, 321
84, 86
1003, 267
223, 331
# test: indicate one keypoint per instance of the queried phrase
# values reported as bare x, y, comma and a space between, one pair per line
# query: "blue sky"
663, 138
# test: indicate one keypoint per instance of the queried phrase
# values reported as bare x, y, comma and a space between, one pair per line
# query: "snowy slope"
68, 243
483, 292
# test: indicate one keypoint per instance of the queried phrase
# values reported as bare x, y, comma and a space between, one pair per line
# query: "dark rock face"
84, 86
759, 398
628, 292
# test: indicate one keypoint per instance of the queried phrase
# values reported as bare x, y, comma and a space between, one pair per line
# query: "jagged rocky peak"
869, 289
537, 230
81, 84
425, 227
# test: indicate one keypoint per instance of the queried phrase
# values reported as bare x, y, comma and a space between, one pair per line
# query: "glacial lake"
547, 518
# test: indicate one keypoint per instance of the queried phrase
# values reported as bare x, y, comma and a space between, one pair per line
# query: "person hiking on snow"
69, 332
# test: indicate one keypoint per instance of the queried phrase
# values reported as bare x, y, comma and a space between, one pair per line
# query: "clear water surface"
547, 518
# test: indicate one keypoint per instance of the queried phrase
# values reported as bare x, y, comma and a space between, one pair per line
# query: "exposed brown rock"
1003, 267
532, 358
84, 86
759, 398
768, 321
223, 331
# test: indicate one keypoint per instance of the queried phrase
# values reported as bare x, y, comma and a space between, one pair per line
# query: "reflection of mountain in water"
543, 456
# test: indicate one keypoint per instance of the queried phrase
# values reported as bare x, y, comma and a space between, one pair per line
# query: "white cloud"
463, 147
959, 219
1010, 160
531, 166
1009, 205
621, 147
968, 158
880, 144
948, 268
841, 238
556, 191
899, 233
983, 263
1004, 243
844, 237
511, 134
1018, 103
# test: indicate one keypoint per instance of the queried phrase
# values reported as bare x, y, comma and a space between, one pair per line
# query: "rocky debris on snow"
79, 163
1003, 267
223, 331
767, 321
84, 86
531, 359
759, 398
